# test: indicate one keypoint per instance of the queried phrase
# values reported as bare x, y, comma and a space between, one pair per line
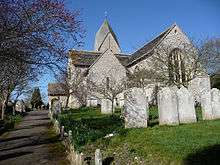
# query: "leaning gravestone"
167, 106
215, 97
185, 105
106, 106
135, 108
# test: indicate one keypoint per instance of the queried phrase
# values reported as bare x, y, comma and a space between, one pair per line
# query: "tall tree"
36, 100
34, 35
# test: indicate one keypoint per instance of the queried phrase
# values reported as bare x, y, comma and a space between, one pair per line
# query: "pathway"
32, 142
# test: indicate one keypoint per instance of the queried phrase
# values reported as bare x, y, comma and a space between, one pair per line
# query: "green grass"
88, 125
166, 144
186, 143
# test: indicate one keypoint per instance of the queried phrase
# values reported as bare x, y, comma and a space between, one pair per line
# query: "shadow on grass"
207, 156
14, 155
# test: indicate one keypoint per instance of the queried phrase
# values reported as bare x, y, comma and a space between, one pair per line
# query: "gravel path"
32, 142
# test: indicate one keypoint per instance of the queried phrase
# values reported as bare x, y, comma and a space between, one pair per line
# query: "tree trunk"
4, 105
67, 101
113, 106
3, 110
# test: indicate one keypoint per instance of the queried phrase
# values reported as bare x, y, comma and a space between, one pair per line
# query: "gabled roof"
84, 58
87, 58
56, 89
102, 33
147, 49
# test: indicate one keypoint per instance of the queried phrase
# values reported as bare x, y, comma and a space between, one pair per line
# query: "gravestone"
185, 105
206, 105
106, 106
98, 157
57, 107
198, 86
167, 106
20, 106
135, 108
215, 97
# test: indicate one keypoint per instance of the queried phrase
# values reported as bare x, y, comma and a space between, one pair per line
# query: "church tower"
106, 39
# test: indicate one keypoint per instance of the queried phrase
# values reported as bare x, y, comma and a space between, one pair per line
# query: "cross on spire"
106, 14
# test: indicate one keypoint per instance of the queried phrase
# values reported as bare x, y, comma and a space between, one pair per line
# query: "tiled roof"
87, 58
56, 89
147, 49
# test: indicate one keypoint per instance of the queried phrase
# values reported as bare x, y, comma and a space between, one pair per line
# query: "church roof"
148, 48
102, 33
87, 58
56, 89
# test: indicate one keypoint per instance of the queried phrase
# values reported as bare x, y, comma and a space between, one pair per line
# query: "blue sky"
136, 22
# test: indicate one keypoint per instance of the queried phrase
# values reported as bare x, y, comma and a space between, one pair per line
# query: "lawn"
197, 143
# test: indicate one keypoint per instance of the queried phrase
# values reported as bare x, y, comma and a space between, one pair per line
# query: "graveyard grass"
187, 143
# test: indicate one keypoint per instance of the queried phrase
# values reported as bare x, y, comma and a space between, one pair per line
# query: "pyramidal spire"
105, 38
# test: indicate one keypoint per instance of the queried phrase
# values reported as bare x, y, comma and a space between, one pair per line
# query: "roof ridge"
164, 33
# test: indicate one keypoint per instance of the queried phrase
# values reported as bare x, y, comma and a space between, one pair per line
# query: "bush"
9, 122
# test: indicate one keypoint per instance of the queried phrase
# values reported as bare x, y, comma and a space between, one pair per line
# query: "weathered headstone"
98, 157
20, 106
198, 86
56, 107
167, 106
206, 105
106, 106
215, 97
135, 108
185, 105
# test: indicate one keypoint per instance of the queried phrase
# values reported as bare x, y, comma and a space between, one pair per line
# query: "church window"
176, 67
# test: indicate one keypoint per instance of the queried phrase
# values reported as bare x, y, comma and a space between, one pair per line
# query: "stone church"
107, 60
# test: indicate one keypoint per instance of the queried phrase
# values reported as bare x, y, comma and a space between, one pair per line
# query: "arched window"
176, 67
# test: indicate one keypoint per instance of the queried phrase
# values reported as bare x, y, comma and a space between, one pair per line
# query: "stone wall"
107, 65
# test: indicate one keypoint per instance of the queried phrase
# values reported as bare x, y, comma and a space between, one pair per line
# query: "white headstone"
135, 108
167, 106
106, 106
206, 105
57, 106
185, 105
215, 97
20, 106
98, 157
198, 86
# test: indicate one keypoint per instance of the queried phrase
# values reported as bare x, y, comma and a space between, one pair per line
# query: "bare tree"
13, 75
64, 84
109, 88
209, 51
33, 36
178, 66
